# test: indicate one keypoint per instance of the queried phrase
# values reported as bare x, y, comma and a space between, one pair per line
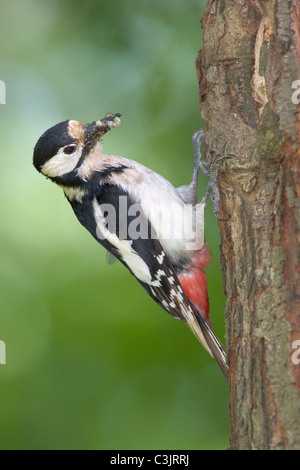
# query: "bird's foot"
212, 191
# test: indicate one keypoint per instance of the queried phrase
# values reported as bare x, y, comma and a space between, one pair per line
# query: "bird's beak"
95, 130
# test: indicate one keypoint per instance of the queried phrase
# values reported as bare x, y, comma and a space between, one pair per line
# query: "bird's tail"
208, 339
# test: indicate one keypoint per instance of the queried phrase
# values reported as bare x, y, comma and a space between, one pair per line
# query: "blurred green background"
92, 362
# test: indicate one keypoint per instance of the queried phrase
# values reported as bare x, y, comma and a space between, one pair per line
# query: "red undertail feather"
194, 282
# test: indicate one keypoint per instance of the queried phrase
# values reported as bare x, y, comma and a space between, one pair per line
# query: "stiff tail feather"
208, 339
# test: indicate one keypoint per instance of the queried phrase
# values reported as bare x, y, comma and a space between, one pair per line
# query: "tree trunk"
248, 72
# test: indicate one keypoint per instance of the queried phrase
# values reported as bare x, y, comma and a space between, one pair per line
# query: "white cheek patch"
61, 163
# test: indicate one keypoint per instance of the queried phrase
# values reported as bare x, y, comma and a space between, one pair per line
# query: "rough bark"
247, 66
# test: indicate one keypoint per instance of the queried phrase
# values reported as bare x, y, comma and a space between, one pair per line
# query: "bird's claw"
215, 160
212, 191
213, 194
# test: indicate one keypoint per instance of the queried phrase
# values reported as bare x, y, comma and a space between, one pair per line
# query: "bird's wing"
131, 239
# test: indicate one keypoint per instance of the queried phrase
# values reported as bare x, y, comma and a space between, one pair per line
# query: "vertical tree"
248, 70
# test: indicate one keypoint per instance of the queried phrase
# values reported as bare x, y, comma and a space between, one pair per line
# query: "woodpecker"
153, 228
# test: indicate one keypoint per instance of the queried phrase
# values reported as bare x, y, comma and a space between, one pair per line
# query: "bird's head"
63, 148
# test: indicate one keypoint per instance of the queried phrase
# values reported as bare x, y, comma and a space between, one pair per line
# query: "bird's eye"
69, 149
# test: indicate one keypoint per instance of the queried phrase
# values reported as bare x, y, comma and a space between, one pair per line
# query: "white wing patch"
135, 263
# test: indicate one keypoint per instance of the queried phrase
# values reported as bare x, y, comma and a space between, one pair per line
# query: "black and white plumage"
153, 228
